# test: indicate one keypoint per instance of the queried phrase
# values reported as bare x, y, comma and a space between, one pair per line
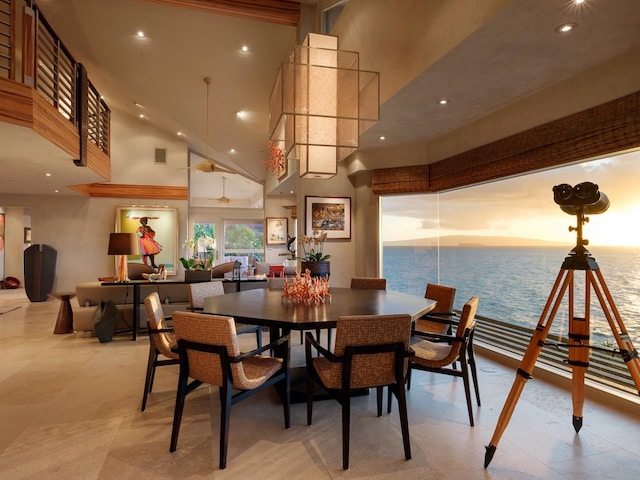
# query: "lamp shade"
123, 244
320, 104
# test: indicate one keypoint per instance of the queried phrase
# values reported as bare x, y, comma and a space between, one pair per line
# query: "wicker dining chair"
440, 319
370, 351
439, 353
199, 291
161, 342
209, 353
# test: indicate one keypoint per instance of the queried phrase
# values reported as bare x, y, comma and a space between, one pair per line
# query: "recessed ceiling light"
241, 114
180, 134
56, 191
382, 137
232, 150
140, 34
565, 27
579, 1
443, 101
245, 48
141, 115
137, 104
47, 174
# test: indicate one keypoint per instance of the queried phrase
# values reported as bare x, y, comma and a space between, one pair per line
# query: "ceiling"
513, 54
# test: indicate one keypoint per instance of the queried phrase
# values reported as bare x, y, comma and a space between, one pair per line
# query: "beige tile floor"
70, 409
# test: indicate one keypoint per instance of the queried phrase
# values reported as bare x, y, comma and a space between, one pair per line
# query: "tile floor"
70, 409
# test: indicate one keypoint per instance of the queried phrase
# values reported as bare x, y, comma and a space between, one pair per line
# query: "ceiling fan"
208, 165
223, 198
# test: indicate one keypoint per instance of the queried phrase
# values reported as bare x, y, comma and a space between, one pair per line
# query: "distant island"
474, 241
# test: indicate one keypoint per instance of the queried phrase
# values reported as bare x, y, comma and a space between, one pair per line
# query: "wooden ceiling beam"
283, 12
110, 190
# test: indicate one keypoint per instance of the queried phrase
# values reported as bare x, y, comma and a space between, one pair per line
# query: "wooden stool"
64, 323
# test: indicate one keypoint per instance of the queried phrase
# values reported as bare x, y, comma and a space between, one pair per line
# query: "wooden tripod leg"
629, 353
564, 278
579, 350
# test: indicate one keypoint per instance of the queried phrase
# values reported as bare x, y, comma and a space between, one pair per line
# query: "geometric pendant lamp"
320, 104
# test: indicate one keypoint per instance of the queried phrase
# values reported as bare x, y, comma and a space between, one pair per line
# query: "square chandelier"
320, 105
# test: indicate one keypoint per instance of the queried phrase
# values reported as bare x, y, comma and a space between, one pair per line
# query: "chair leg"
467, 387
309, 398
329, 330
346, 424
259, 337
225, 417
474, 373
409, 376
148, 381
404, 419
177, 414
389, 399
287, 399
379, 399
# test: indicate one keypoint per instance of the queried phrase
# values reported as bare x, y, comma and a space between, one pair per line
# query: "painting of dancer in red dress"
149, 248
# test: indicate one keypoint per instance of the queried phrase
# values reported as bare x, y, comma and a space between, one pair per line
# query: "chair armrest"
160, 330
309, 342
444, 317
435, 337
257, 351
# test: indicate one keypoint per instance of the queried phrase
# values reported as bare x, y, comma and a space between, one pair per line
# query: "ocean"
514, 283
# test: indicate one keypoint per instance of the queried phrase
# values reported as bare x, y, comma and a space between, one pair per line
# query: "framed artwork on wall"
328, 214
157, 231
277, 228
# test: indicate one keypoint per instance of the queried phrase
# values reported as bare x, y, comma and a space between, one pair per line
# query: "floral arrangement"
306, 289
275, 164
201, 258
313, 247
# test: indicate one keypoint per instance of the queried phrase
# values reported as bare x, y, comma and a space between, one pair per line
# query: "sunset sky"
524, 207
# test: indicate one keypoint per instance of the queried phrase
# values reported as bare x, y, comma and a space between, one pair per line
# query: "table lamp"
123, 244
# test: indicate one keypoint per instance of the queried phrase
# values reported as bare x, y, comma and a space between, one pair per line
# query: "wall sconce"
123, 244
320, 104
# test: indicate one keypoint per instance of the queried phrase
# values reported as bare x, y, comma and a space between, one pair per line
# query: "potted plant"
313, 257
198, 263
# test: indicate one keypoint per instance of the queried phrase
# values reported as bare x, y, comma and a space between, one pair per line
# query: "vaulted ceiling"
514, 52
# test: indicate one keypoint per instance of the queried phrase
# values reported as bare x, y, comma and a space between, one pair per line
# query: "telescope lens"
562, 192
586, 190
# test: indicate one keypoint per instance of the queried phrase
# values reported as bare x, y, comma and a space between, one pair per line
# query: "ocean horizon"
513, 283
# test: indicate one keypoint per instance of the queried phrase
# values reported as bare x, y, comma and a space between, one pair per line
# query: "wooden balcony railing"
50, 68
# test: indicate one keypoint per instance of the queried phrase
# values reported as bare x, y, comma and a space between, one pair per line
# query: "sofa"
89, 294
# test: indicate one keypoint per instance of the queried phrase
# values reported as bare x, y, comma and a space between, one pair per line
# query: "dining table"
269, 308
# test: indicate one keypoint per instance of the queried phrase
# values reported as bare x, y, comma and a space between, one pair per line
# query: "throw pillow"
262, 268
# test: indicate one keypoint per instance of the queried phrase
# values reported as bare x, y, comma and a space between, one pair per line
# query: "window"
243, 239
331, 14
506, 241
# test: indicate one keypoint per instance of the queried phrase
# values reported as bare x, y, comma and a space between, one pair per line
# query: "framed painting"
157, 231
277, 231
328, 214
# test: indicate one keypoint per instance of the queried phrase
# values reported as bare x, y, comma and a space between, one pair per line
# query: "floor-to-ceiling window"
506, 241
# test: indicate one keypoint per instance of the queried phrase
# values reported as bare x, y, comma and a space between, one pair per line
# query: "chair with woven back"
371, 283
161, 342
199, 291
441, 318
370, 351
439, 353
209, 353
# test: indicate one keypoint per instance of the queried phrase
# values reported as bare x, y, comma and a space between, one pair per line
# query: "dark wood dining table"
267, 308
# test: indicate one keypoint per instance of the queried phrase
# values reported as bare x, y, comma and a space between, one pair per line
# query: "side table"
64, 323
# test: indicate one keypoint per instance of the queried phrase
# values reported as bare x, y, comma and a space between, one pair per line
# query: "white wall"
78, 228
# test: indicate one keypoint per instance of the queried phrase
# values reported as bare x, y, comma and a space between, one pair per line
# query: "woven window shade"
602, 130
